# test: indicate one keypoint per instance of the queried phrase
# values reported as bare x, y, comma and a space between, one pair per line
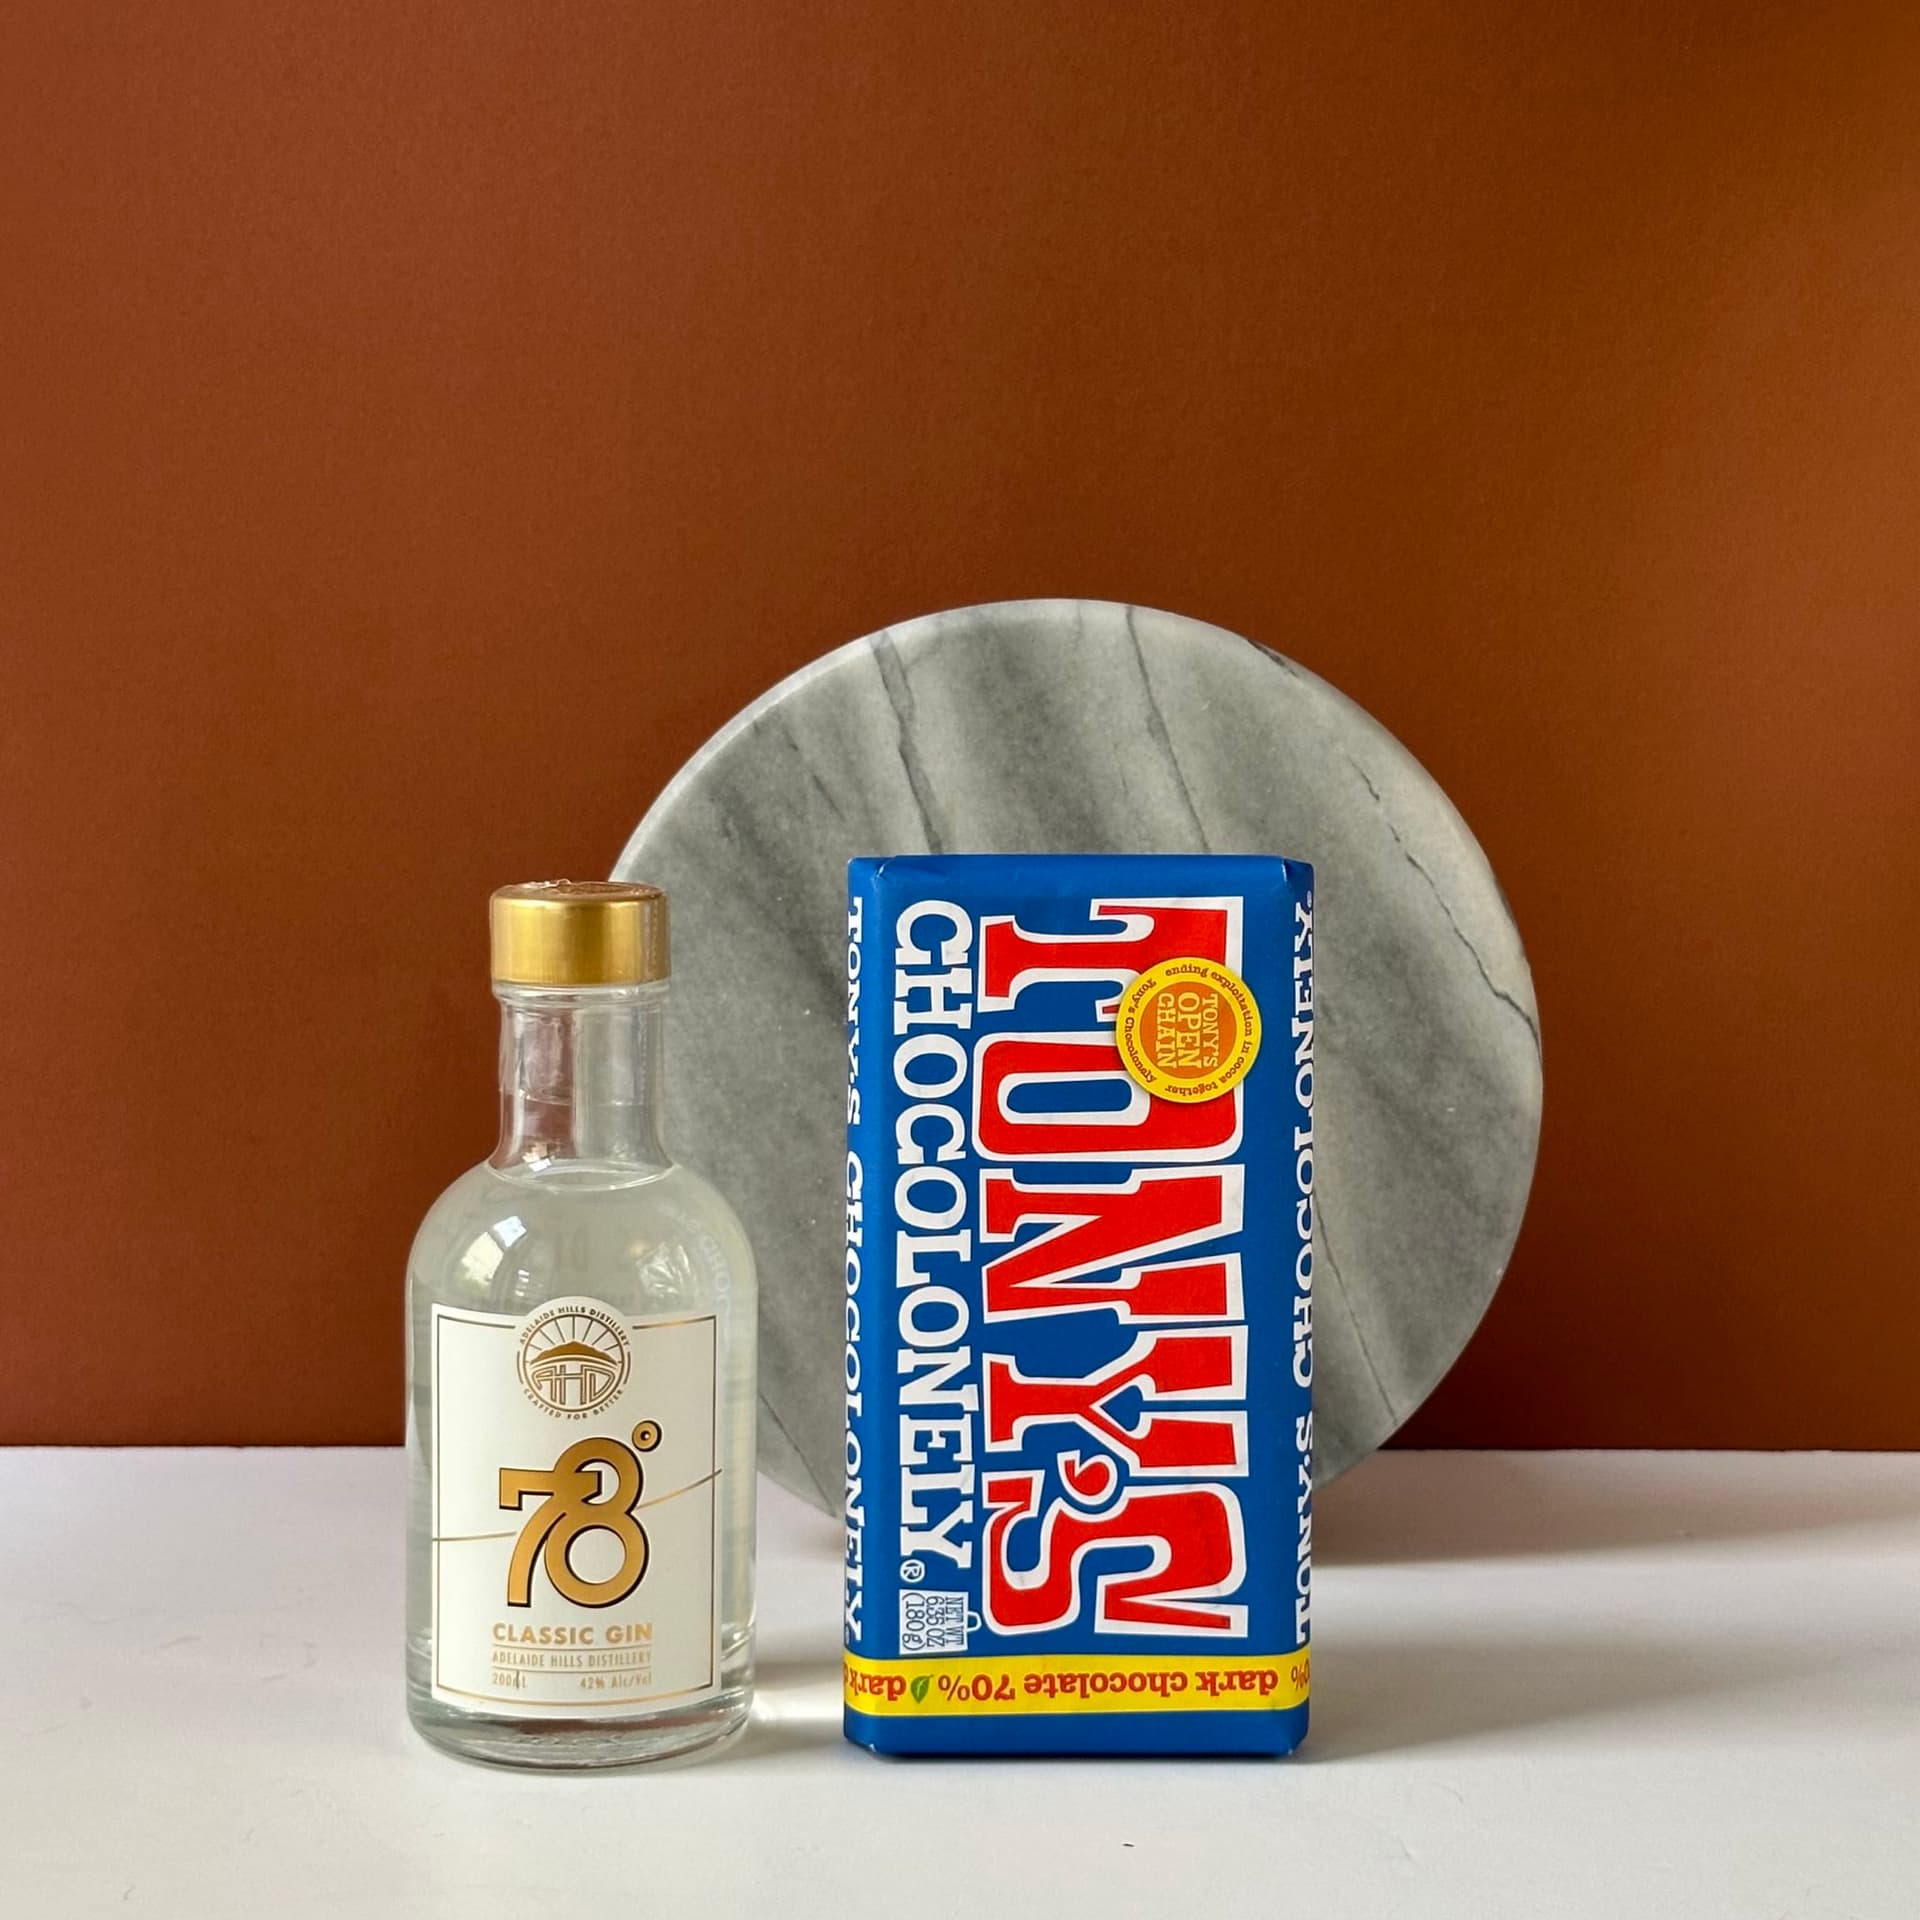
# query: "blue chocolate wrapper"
1079, 1307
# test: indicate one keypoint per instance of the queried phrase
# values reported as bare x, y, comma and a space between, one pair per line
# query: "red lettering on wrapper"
1047, 1126
1150, 931
1158, 1370
881, 1686
1195, 1534
1129, 1461
1095, 1228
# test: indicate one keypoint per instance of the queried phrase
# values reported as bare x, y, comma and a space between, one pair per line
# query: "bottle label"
575, 1505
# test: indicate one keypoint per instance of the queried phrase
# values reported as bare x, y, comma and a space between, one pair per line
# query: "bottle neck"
580, 1073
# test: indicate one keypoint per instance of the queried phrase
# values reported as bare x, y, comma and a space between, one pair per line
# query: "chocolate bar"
1079, 1303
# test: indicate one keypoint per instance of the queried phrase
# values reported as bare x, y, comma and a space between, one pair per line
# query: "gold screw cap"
579, 933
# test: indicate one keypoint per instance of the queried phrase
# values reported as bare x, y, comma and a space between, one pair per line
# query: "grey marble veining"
1070, 726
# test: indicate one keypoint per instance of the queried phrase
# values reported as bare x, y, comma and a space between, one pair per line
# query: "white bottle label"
575, 1499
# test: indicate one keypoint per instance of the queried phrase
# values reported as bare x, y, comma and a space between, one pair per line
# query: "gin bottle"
580, 1366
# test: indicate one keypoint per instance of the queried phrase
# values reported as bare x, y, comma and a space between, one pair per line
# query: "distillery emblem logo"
573, 1358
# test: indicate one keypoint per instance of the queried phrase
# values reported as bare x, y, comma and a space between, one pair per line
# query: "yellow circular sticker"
1188, 1029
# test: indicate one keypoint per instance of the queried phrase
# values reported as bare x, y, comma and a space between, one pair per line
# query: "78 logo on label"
576, 1499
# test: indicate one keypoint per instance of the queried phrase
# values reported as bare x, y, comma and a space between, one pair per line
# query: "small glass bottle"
580, 1368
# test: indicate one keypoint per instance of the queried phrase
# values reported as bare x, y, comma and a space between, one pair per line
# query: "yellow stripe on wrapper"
1077, 1683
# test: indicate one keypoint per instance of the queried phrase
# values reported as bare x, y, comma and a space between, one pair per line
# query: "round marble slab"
1080, 726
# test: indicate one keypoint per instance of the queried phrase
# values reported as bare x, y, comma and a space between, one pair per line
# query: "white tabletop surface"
1545, 1686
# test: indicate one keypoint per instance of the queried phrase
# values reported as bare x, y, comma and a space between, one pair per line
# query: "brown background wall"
420, 425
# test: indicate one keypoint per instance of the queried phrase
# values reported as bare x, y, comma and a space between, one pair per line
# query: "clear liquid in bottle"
580, 1363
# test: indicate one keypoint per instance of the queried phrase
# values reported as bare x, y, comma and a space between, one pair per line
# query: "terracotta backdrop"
420, 425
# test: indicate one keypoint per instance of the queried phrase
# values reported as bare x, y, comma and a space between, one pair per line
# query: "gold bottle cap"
579, 933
